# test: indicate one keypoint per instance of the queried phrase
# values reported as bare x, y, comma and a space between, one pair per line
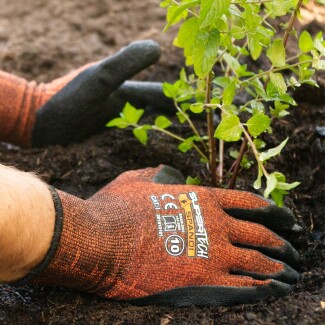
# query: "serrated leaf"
185, 38
278, 82
205, 51
130, 114
258, 124
255, 47
306, 43
237, 32
162, 122
211, 10
141, 134
273, 152
276, 53
221, 81
229, 93
179, 12
118, 122
229, 129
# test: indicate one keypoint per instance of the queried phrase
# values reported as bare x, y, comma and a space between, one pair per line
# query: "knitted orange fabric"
135, 238
19, 101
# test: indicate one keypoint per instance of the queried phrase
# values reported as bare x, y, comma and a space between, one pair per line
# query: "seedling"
218, 36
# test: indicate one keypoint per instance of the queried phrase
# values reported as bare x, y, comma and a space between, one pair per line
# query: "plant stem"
212, 142
291, 22
256, 154
189, 121
287, 66
242, 151
175, 136
221, 160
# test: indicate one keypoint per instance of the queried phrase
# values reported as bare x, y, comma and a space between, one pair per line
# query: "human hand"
79, 104
147, 239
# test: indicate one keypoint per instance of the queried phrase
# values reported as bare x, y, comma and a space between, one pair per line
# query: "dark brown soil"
42, 40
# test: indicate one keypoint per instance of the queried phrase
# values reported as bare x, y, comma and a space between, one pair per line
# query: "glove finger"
252, 263
241, 290
251, 207
256, 236
272, 217
141, 94
129, 61
75, 111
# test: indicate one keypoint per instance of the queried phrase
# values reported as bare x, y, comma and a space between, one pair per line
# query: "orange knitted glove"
76, 105
146, 242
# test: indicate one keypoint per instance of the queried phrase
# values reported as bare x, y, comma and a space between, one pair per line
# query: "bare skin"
27, 217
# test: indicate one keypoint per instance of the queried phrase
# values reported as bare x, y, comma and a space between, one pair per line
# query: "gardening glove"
72, 107
145, 240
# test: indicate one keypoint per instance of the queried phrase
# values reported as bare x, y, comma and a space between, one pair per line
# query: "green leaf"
130, 114
319, 64
319, 45
211, 10
279, 7
193, 180
185, 146
169, 90
238, 32
258, 183
197, 108
258, 124
205, 51
278, 82
179, 12
141, 134
229, 129
277, 196
182, 117
255, 47
271, 182
229, 93
185, 38
162, 122
259, 87
259, 144
287, 186
221, 81
245, 162
118, 122
273, 152
306, 43
276, 53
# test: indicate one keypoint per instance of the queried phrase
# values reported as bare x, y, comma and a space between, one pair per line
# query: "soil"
42, 40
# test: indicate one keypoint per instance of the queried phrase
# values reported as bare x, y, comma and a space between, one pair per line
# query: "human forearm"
26, 222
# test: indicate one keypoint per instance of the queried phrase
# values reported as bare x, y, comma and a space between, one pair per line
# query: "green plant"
217, 36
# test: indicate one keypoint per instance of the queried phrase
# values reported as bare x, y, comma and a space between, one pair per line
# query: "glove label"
180, 224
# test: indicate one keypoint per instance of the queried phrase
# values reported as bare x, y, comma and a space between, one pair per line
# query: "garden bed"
43, 40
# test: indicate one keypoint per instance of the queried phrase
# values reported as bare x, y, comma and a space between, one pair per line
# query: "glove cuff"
54, 242
19, 101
